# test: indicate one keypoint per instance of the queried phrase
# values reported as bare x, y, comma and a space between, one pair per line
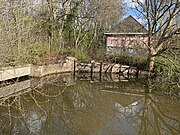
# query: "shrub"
165, 67
80, 55
34, 53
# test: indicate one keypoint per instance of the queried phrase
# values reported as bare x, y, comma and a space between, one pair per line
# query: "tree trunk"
151, 62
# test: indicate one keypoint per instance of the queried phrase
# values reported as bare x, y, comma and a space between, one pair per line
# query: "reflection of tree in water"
88, 110
159, 116
85, 109
170, 86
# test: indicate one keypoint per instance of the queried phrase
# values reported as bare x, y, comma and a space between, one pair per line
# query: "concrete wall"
65, 65
14, 73
61, 66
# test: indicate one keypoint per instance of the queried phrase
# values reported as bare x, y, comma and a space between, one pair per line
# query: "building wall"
126, 44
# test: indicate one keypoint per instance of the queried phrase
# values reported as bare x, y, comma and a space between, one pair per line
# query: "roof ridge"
130, 25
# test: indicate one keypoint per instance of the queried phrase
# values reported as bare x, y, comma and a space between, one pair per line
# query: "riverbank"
69, 64
61, 66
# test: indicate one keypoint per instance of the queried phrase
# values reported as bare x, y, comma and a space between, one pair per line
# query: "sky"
129, 6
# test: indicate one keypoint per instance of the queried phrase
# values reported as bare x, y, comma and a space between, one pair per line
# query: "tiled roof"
129, 25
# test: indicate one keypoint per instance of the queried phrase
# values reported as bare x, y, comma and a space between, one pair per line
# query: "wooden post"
100, 72
137, 72
92, 66
120, 70
74, 69
138, 69
120, 73
128, 71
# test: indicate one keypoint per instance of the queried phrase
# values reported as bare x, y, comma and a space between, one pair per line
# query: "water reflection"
65, 106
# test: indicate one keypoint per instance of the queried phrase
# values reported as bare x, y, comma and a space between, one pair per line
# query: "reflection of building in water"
125, 120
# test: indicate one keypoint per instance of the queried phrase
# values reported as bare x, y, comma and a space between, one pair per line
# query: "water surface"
60, 105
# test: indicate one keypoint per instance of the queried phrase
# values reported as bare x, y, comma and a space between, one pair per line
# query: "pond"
64, 105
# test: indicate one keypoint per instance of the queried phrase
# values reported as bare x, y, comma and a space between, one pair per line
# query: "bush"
80, 55
34, 53
166, 68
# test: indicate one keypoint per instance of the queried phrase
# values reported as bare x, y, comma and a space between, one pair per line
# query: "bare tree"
54, 25
160, 16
